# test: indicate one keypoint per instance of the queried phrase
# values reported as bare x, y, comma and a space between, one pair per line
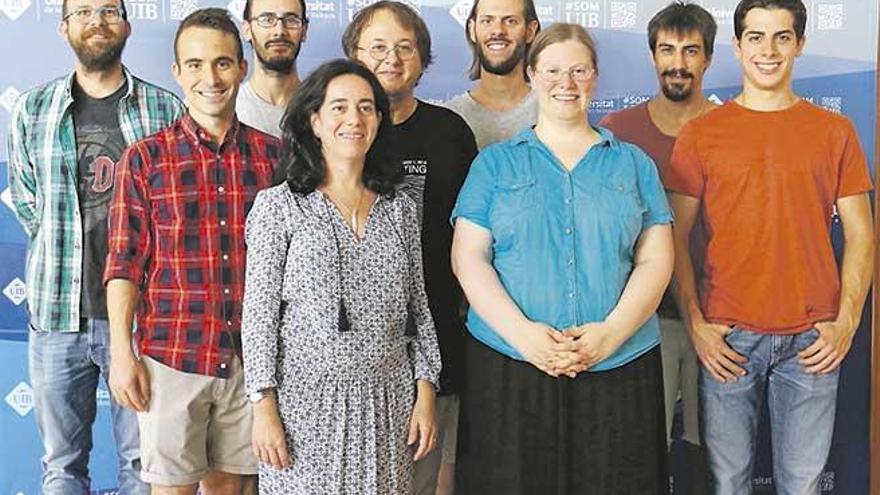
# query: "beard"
100, 57
505, 66
677, 92
277, 63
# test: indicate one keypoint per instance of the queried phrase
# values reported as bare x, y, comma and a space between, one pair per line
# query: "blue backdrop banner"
836, 71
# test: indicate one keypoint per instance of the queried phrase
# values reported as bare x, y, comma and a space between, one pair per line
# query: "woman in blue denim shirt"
563, 246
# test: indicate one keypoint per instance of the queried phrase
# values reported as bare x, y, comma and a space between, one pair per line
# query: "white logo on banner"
715, 99
6, 197
546, 14
319, 9
8, 98
830, 16
14, 8
21, 399
236, 8
720, 13
182, 8
15, 291
461, 10
633, 100
832, 103
623, 15
145, 10
52, 7
587, 14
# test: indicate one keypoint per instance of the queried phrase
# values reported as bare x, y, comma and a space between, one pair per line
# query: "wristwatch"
257, 396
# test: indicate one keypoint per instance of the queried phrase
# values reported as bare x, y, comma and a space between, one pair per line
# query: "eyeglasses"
381, 51
579, 73
109, 14
289, 21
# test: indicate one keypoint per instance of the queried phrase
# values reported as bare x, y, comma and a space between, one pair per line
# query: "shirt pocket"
622, 200
514, 208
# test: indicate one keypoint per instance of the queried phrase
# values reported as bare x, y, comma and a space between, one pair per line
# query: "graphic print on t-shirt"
415, 169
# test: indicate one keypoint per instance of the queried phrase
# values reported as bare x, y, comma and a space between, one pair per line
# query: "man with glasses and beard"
276, 30
65, 139
681, 38
501, 103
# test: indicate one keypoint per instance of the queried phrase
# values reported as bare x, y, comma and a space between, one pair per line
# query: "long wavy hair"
302, 159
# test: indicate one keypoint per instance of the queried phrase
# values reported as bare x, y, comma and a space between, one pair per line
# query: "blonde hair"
557, 33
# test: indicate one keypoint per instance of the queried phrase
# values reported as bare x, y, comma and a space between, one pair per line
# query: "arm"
426, 352
541, 345
267, 241
22, 178
708, 339
129, 248
835, 337
650, 275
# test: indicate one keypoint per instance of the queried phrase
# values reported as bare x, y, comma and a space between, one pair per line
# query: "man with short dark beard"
501, 103
65, 139
681, 38
275, 29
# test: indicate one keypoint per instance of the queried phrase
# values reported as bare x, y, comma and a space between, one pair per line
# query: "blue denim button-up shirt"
564, 241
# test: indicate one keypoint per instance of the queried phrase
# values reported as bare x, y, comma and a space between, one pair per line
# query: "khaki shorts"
195, 424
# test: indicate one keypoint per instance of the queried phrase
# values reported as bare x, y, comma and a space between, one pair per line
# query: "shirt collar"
129, 84
528, 136
195, 131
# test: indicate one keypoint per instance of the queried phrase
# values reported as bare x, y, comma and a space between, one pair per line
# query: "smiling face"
680, 62
275, 47
398, 77
501, 34
566, 99
97, 43
767, 49
347, 121
209, 72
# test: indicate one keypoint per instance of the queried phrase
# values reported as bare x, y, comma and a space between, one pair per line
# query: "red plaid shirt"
177, 231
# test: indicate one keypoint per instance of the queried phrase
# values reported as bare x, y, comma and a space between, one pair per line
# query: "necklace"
348, 211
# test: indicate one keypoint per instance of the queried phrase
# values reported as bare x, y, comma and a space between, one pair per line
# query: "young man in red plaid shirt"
177, 258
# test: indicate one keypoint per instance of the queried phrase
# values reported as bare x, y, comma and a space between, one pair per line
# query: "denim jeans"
64, 370
801, 405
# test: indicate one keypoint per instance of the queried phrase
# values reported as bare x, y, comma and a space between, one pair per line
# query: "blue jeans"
801, 405
64, 370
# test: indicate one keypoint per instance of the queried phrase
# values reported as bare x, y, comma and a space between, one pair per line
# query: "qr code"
623, 15
830, 16
826, 481
832, 103
182, 8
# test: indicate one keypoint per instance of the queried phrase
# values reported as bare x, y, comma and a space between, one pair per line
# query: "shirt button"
571, 295
225, 256
226, 290
221, 189
222, 223
229, 322
223, 366
568, 231
76, 280
571, 261
567, 201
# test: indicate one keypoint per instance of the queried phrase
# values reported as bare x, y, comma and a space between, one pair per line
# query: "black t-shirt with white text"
435, 148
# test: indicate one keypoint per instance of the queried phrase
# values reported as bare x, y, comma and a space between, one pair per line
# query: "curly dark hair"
302, 159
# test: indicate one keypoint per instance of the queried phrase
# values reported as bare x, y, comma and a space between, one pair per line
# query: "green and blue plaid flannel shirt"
43, 183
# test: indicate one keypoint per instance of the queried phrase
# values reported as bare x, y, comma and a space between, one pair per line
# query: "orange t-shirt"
768, 182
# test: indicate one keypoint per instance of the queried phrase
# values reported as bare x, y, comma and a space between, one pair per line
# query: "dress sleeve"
426, 351
267, 240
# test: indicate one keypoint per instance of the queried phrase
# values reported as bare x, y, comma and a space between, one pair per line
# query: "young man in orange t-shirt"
771, 315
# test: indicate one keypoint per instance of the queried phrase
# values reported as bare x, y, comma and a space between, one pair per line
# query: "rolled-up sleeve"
653, 195
129, 226
22, 177
475, 198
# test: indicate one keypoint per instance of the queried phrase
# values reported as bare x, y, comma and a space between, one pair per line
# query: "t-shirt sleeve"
685, 173
653, 196
475, 198
854, 177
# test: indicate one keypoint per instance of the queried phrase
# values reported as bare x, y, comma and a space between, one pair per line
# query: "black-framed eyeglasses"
268, 20
579, 73
109, 13
381, 51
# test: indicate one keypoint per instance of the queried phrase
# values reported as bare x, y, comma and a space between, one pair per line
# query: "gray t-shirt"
490, 126
258, 113
99, 145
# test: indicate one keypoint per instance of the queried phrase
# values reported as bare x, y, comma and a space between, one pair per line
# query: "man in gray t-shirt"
501, 103
275, 29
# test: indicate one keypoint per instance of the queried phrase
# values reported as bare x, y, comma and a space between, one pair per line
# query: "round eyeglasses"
83, 15
268, 20
579, 73
381, 51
